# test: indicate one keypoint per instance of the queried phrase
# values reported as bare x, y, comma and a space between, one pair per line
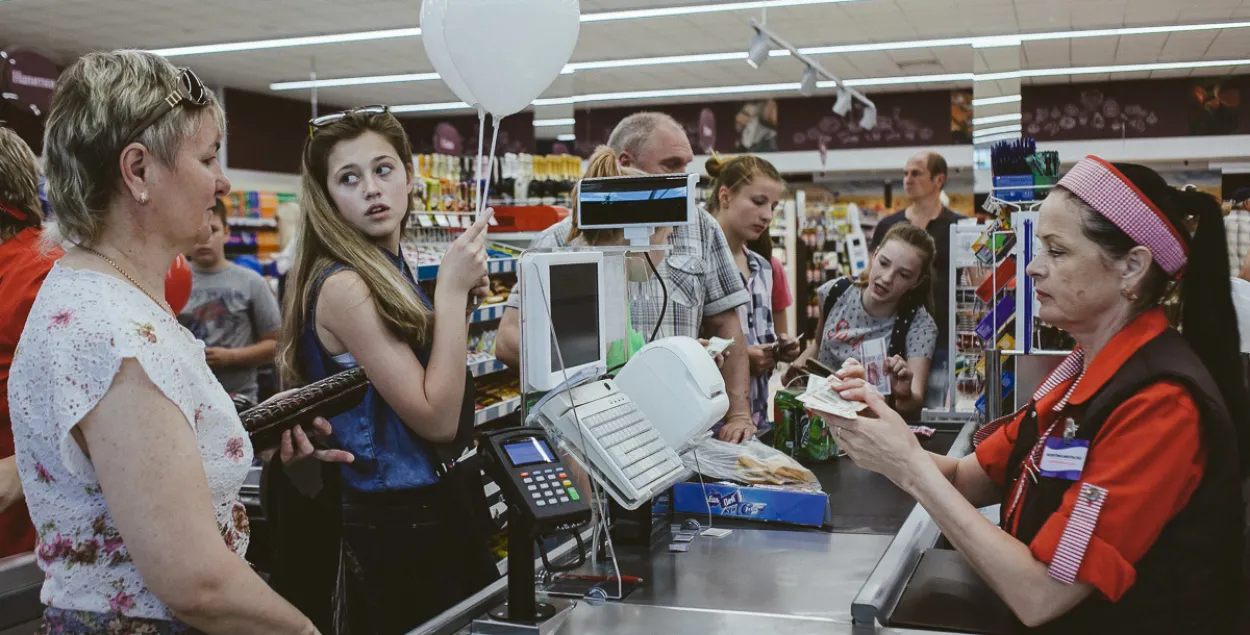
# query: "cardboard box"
762, 503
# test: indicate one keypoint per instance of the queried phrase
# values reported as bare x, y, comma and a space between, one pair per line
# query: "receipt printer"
675, 383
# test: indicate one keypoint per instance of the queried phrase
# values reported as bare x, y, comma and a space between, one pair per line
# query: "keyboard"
618, 439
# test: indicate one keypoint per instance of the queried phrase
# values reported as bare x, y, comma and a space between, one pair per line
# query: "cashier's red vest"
1190, 580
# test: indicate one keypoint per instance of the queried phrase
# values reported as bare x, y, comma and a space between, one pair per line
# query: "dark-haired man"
924, 177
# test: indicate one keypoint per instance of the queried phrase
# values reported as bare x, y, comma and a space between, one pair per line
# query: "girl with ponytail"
745, 192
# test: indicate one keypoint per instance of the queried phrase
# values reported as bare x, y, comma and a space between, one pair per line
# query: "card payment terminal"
542, 499
534, 481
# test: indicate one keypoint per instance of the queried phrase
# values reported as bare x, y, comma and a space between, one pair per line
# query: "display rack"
253, 219
497, 411
826, 233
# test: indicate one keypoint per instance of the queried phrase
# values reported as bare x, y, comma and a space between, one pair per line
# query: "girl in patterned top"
745, 193
898, 282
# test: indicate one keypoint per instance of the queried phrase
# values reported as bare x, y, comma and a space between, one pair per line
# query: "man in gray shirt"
233, 311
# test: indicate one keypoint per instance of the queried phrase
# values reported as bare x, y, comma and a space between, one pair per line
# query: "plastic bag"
750, 462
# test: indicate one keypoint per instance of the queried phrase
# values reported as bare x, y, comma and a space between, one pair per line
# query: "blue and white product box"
763, 503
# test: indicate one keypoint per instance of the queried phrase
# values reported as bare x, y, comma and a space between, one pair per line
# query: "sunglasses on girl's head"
189, 90
317, 123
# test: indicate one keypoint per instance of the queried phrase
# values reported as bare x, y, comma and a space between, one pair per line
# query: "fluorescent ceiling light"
566, 137
548, 123
988, 132
983, 121
354, 81
656, 61
995, 138
438, 107
256, 45
993, 101
721, 7
1119, 68
997, 41
906, 79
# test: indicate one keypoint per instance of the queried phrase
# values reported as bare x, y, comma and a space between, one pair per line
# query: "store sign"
27, 78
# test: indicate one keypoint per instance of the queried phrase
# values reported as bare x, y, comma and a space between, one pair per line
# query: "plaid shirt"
757, 325
699, 272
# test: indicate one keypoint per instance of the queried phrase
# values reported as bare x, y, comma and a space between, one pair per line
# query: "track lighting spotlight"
807, 87
843, 103
869, 121
758, 53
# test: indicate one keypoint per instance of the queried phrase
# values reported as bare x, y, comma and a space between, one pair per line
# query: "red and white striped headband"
1108, 191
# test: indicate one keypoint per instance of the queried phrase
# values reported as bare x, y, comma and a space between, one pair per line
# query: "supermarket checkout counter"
873, 571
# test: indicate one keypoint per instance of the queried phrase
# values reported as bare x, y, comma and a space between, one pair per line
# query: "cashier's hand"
762, 360
737, 429
878, 440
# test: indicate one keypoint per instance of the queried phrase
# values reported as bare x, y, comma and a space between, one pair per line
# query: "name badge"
1064, 458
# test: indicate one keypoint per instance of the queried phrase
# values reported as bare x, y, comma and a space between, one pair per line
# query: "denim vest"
389, 455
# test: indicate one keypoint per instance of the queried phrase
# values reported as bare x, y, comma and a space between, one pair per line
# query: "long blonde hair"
603, 163
326, 238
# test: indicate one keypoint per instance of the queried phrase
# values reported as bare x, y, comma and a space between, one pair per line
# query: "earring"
1129, 295
143, 198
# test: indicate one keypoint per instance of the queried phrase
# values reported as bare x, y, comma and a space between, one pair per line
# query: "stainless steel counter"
751, 582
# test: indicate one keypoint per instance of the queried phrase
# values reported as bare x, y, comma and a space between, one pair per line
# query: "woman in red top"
1119, 482
23, 265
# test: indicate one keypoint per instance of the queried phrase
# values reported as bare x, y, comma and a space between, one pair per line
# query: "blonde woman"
412, 542
130, 453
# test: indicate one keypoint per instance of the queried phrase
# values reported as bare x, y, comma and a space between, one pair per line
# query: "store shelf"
486, 367
488, 313
494, 267
499, 410
240, 221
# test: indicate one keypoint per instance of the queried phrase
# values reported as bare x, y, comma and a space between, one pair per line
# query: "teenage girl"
745, 192
412, 543
898, 284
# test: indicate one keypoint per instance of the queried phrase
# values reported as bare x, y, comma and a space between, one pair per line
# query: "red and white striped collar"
1072, 366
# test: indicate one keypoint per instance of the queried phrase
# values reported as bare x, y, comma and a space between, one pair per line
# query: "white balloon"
509, 51
433, 14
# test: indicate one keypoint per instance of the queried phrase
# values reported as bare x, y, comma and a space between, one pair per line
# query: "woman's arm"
10, 485
427, 400
887, 446
154, 483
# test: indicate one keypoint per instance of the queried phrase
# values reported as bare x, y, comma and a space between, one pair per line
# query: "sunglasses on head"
189, 90
317, 123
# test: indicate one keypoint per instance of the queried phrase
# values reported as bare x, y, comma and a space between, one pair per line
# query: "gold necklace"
128, 277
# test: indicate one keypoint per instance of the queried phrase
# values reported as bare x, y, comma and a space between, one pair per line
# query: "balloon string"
493, 141
477, 168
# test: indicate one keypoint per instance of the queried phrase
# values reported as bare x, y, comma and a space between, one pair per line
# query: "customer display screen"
529, 452
575, 314
644, 200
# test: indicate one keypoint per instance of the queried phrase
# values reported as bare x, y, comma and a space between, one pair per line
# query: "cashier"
1119, 481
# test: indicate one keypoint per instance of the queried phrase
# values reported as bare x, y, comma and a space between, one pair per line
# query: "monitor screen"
634, 200
575, 314
529, 452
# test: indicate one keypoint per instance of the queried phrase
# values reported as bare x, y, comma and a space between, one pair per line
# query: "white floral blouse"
83, 324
